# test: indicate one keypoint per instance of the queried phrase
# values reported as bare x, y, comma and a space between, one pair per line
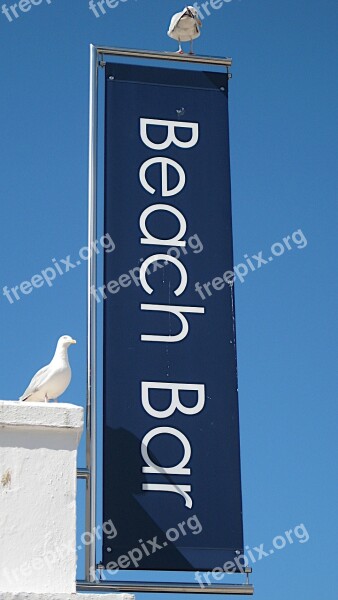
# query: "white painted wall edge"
40, 415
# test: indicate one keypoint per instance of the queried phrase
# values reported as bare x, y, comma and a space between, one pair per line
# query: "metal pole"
90, 558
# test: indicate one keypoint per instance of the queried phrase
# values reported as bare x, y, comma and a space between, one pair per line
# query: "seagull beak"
73, 342
199, 22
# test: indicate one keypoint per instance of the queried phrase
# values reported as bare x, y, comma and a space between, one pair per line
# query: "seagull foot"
179, 52
192, 53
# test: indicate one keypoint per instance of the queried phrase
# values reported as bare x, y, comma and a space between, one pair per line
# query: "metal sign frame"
89, 473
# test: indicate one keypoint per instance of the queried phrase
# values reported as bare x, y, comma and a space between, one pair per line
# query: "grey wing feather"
36, 382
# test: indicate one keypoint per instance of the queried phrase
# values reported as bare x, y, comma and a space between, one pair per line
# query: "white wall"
38, 452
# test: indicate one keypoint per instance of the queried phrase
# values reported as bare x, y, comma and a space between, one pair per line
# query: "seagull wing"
38, 379
174, 21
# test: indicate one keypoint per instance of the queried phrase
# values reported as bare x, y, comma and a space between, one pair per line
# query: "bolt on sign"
171, 434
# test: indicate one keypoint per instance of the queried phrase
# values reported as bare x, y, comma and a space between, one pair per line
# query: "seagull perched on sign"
51, 381
185, 26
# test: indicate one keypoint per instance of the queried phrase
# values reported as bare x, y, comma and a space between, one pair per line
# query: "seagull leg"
46, 398
179, 51
191, 48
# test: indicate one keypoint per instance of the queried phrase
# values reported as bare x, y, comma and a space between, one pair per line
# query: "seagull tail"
23, 398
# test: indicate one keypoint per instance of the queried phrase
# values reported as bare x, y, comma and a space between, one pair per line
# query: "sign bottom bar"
170, 588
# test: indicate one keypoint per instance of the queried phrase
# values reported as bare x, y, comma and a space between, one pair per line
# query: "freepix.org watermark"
49, 275
58, 268
133, 558
134, 275
298, 533
99, 7
50, 556
251, 264
15, 10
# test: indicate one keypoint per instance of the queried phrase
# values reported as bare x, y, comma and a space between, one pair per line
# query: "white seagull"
51, 381
185, 26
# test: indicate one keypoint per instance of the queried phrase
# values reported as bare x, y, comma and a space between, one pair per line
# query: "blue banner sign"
171, 475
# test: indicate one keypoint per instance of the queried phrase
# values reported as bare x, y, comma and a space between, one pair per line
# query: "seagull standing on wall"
51, 381
185, 26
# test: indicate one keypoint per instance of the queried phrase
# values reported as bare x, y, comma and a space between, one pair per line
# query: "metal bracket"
102, 62
83, 473
247, 571
245, 589
167, 56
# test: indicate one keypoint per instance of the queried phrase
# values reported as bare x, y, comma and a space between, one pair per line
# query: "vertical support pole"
90, 558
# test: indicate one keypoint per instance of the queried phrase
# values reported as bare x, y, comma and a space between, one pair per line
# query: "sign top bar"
152, 54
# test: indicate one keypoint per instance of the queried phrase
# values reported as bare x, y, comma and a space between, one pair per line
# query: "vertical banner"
171, 475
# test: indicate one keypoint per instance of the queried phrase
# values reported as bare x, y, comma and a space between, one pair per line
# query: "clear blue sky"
283, 99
